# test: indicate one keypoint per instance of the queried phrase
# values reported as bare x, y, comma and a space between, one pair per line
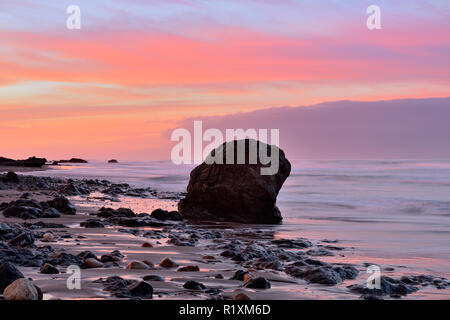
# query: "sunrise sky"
138, 68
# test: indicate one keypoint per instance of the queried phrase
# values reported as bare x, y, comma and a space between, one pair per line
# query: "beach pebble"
258, 283
208, 258
241, 296
49, 269
93, 263
153, 278
239, 275
194, 285
48, 237
188, 269
218, 276
137, 265
147, 245
92, 223
168, 263
21, 289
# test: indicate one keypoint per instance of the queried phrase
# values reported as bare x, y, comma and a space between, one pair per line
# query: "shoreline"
230, 247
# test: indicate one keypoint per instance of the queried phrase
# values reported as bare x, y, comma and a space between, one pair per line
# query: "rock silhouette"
235, 192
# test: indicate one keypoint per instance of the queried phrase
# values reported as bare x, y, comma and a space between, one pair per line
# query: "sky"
137, 69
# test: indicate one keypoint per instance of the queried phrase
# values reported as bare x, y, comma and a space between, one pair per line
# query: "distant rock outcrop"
72, 160
113, 161
30, 162
235, 192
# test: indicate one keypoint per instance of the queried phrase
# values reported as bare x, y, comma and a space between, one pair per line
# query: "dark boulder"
141, 289
121, 212
113, 161
11, 177
30, 162
153, 278
63, 205
258, 283
24, 239
66, 259
235, 192
388, 286
314, 274
49, 269
161, 214
92, 223
194, 285
22, 212
51, 213
239, 275
8, 274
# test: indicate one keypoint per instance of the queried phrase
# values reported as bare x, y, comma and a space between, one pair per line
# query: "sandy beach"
222, 258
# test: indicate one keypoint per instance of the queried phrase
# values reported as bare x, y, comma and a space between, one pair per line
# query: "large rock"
235, 192
8, 274
21, 289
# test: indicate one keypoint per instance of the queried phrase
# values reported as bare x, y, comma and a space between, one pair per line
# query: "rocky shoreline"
126, 255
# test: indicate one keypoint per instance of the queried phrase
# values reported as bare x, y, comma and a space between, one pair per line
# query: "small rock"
147, 245
149, 263
194, 285
218, 276
63, 205
188, 269
208, 258
153, 278
241, 296
21, 289
137, 265
51, 213
107, 258
48, 237
141, 289
11, 177
49, 269
24, 239
92, 223
93, 263
168, 263
258, 283
239, 275
371, 297
161, 214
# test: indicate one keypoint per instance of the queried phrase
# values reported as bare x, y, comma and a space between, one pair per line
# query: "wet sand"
100, 241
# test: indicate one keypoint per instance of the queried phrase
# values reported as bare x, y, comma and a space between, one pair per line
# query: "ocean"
392, 213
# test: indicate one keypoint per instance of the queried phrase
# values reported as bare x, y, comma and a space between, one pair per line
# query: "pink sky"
137, 69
